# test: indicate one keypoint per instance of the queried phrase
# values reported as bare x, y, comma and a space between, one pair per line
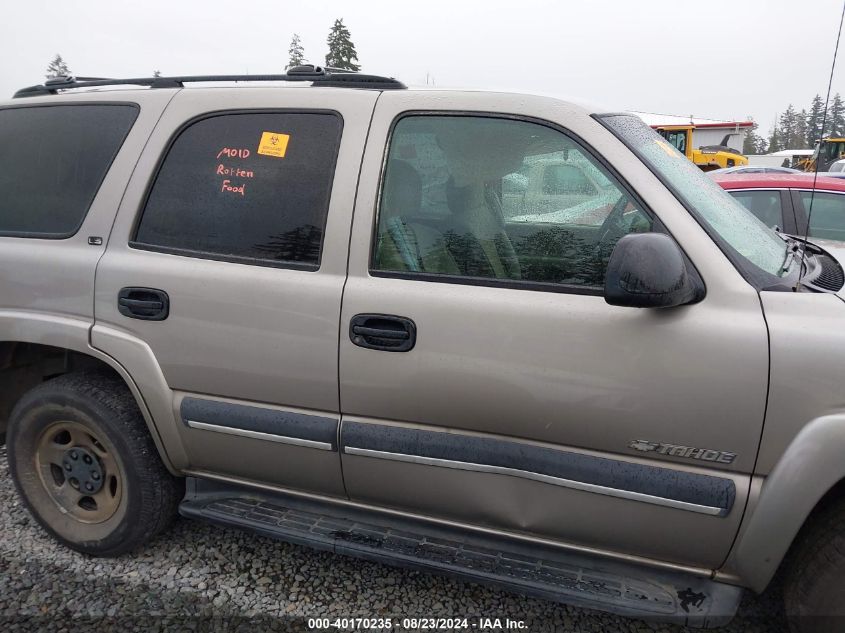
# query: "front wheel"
83, 461
814, 586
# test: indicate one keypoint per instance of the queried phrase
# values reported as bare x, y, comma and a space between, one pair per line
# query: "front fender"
812, 464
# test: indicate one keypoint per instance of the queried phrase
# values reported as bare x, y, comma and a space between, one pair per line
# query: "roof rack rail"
317, 75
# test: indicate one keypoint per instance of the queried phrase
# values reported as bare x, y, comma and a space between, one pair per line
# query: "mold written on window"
233, 171
245, 186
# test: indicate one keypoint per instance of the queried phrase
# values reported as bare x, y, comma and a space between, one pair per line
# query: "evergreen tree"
836, 117
799, 141
753, 143
296, 54
814, 121
57, 68
749, 146
787, 127
341, 49
774, 144
156, 73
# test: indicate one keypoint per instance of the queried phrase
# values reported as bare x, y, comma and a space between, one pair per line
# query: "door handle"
383, 332
147, 304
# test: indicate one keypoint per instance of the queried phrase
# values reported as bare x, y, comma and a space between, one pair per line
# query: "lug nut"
89, 487
68, 467
87, 459
74, 455
95, 475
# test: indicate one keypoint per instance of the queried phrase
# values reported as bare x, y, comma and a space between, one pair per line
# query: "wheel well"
831, 498
25, 365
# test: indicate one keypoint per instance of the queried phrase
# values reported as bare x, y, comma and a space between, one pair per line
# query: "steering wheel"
613, 226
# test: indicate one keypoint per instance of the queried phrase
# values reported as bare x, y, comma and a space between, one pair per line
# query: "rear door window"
53, 160
245, 187
766, 205
827, 219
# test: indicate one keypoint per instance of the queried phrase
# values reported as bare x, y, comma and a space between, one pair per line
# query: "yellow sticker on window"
273, 144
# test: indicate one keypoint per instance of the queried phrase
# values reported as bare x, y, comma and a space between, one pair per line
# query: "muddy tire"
814, 584
82, 460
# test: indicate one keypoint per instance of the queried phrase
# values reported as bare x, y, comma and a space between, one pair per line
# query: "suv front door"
525, 403
222, 280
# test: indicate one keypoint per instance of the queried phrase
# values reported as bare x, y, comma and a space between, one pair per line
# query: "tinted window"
501, 199
827, 220
766, 205
249, 187
52, 162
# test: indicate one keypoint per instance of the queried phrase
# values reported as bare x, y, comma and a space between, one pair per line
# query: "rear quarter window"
53, 160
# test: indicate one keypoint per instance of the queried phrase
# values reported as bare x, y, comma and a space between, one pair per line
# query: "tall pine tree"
341, 49
753, 143
799, 141
774, 144
788, 127
296, 54
836, 117
57, 68
814, 121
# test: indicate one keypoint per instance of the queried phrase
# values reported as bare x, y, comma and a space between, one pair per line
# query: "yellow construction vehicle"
826, 152
708, 157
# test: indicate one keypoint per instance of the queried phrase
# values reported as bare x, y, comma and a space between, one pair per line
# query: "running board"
543, 571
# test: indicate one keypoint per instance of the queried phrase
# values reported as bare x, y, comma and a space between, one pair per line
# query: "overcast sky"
711, 59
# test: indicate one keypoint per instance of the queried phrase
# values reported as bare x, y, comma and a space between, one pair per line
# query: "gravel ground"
200, 577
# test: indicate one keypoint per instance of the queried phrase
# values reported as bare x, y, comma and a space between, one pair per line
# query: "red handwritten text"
233, 152
228, 186
222, 170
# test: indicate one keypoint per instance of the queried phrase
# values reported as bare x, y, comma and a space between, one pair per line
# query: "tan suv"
303, 311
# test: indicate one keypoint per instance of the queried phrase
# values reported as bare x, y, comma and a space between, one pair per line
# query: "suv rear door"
220, 289
483, 377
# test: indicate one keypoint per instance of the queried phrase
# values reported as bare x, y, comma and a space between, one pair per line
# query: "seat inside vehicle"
498, 199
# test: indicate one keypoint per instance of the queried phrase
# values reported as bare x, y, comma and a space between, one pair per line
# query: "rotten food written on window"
245, 187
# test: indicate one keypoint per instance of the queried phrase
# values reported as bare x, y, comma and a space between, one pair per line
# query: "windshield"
733, 223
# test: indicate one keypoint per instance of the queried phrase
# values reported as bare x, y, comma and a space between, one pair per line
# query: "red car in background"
783, 200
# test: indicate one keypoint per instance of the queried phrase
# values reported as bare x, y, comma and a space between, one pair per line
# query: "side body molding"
692, 492
812, 464
284, 427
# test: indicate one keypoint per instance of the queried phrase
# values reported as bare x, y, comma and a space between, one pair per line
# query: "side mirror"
648, 270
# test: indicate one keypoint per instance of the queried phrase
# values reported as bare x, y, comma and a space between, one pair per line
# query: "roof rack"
317, 75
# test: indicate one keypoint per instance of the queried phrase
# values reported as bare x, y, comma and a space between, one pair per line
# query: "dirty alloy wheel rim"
79, 472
